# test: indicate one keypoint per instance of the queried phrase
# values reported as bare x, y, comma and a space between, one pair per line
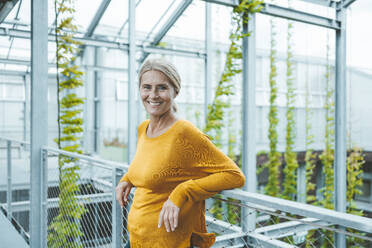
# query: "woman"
176, 167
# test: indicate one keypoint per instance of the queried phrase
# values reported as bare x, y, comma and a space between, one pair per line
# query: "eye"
146, 87
162, 87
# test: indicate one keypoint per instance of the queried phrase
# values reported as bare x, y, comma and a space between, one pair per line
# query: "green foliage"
225, 87
354, 162
310, 160
65, 228
273, 188
290, 157
232, 67
310, 157
233, 211
327, 156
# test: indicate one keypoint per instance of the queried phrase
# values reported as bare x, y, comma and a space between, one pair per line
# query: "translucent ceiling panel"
85, 11
148, 13
221, 23
115, 15
24, 12
148, 21
313, 8
20, 49
19, 68
191, 25
4, 46
359, 34
302, 37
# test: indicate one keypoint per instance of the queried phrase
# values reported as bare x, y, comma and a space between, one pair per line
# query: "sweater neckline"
169, 130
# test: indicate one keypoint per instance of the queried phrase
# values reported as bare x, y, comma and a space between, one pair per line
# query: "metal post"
208, 58
301, 183
249, 119
117, 222
39, 112
340, 109
44, 198
97, 105
25, 110
131, 81
9, 174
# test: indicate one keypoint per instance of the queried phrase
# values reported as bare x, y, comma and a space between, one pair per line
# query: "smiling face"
157, 93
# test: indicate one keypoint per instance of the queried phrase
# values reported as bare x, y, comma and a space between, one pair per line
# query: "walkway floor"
9, 237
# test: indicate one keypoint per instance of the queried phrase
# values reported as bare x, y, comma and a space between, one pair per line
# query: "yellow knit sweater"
183, 165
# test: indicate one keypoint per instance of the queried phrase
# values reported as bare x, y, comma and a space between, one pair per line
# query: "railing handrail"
302, 209
103, 162
15, 141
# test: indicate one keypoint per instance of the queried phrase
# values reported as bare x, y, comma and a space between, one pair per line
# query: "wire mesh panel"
274, 228
80, 210
81, 204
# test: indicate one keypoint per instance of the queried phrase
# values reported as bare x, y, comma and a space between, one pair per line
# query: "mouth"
154, 103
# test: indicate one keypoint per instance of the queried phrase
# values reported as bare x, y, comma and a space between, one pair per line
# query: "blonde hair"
165, 67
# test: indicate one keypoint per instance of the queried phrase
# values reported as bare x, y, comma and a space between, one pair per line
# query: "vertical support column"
249, 118
340, 108
301, 183
44, 198
9, 174
27, 106
117, 222
132, 81
208, 58
25, 109
97, 105
39, 112
89, 103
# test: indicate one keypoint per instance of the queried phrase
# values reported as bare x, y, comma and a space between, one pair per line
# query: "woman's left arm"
214, 172
221, 174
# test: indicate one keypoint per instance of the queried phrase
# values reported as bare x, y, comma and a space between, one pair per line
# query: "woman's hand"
123, 188
169, 216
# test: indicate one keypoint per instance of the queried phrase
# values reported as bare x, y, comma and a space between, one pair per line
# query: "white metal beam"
21, 206
287, 13
343, 219
326, 3
167, 26
290, 228
39, 115
346, 3
97, 17
25, 34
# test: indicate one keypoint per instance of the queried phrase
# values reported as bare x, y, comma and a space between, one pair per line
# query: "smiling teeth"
154, 103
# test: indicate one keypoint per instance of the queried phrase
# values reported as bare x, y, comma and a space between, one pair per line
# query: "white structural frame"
39, 75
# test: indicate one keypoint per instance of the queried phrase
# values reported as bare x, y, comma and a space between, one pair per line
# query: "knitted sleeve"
217, 171
125, 178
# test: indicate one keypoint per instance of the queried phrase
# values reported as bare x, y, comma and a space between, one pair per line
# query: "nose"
153, 93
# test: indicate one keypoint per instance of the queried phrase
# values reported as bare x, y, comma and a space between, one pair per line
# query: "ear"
175, 95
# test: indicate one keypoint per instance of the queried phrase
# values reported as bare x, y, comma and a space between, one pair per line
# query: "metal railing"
282, 223
80, 202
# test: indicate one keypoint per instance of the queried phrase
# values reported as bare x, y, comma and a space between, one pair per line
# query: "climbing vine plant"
273, 188
354, 163
225, 86
290, 157
310, 156
327, 156
65, 229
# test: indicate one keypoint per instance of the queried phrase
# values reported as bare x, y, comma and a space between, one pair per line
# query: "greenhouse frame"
31, 193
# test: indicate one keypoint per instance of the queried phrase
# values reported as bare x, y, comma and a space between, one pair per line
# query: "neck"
162, 121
